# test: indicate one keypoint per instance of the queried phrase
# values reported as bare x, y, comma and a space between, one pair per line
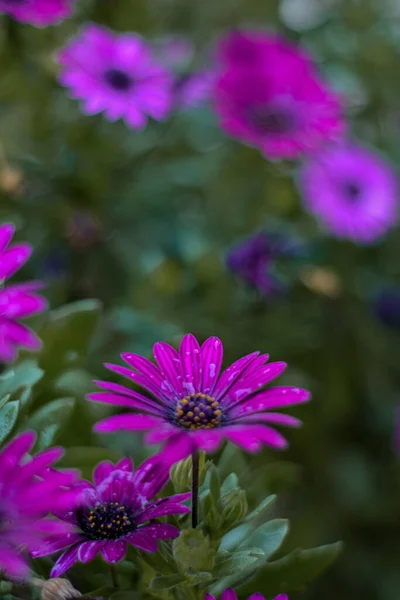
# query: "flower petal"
231, 374
139, 380
65, 562
277, 418
211, 359
169, 362
114, 551
248, 383
191, 367
178, 447
273, 398
229, 594
88, 550
156, 381
253, 437
51, 545
127, 422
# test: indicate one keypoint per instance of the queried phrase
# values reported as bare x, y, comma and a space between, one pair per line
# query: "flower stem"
195, 488
114, 576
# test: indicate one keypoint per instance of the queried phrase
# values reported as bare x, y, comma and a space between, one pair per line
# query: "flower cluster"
38, 12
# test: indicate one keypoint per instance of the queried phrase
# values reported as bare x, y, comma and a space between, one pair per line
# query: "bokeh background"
142, 222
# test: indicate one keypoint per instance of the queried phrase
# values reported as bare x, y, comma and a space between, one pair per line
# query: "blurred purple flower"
16, 301
30, 490
253, 261
386, 304
117, 75
116, 511
193, 406
351, 191
230, 594
193, 89
269, 94
38, 12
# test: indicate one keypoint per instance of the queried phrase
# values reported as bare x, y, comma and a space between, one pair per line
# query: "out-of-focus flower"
18, 300
117, 75
351, 191
194, 88
116, 511
29, 491
397, 432
38, 12
253, 260
386, 304
11, 180
193, 406
269, 94
83, 230
230, 594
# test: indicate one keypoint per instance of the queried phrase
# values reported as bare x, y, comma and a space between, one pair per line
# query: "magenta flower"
117, 75
17, 301
230, 594
38, 12
115, 512
193, 406
351, 191
269, 95
29, 490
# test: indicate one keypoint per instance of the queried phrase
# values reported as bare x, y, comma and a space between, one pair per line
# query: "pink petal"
6, 234
13, 564
102, 471
65, 561
50, 546
20, 335
13, 259
178, 447
142, 541
189, 351
127, 422
277, 418
248, 383
253, 437
114, 551
125, 464
160, 434
208, 440
153, 375
140, 403
273, 398
258, 596
229, 594
88, 550
231, 374
211, 358
169, 362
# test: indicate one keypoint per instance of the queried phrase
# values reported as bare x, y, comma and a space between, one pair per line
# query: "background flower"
352, 191
193, 406
17, 301
29, 491
230, 594
116, 511
38, 12
117, 75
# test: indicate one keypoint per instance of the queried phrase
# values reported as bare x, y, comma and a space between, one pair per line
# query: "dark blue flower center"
108, 521
352, 192
274, 120
198, 411
118, 80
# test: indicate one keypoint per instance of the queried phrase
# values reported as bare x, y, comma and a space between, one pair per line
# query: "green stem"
114, 576
195, 488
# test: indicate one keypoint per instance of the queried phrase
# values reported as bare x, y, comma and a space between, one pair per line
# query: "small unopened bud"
181, 473
235, 507
56, 589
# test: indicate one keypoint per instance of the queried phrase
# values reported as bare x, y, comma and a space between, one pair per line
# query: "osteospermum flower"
230, 594
193, 406
29, 490
269, 95
117, 75
17, 301
116, 511
351, 191
38, 12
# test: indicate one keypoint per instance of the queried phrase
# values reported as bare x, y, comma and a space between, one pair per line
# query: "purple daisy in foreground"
230, 594
117, 75
351, 191
116, 511
193, 406
16, 301
269, 94
29, 491
38, 12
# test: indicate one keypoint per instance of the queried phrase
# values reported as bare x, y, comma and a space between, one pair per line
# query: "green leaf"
269, 537
25, 374
192, 551
8, 418
237, 562
294, 571
261, 508
122, 595
4, 400
166, 582
103, 592
49, 419
66, 336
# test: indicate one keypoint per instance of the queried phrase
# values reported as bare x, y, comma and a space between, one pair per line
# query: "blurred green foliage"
141, 221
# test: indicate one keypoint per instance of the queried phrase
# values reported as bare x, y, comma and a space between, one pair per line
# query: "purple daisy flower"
115, 512
193, 406
38, 12
117, 75
351, 191
230, 594
269, 94
253, 261
16, 301
29, 491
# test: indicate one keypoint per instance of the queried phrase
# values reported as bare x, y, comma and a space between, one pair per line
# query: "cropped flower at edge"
353, 192
38, 12
117, 75
29, 491
116, 511
193, 406
230, 594
269, 94
17, 301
